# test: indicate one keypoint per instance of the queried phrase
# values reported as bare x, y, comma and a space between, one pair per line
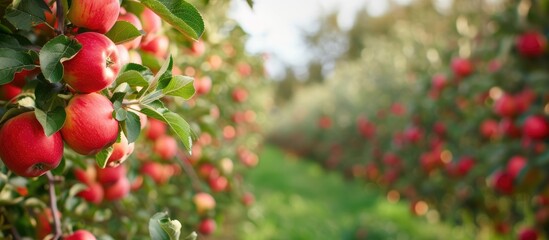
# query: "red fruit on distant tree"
165, 147
244, 69
528, 234
439, 128
44, 222
207, 226
247, 199
502, 182
462, 67
204, 202
203, 85
95, 66
89, 125
240, 95
208, 171
80, 235
438, 82
95, 15
158, 172
151, 22
413, 134
117, 190
536, 127
94, 193
107, 176
515, 166
219, 184
508, 127
324, 122
155, 129
157, 46
531, 44
26, 150
506, 106
465, 165
86, 176
134, 20
398, 109
198, 48
366, 128
489, 128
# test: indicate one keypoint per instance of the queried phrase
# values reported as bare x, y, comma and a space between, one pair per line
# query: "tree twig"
60, 17
190, 172
53, 206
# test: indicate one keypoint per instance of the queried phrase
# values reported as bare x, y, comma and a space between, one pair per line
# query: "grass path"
297, 199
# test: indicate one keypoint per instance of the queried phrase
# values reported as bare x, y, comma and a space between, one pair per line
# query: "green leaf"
11, 62
182, 15
51, 121
179, 126
250, 3
27, 13
161, 227
8, 41
133, 78
180, 86
102, 157
150, 61
132, 126
122, 32
54, 53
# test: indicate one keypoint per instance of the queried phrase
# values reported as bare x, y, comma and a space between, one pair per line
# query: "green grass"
297, 199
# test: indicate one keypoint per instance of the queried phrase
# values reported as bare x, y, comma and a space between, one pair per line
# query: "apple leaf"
182, 15
122, 32
180, 86
12, 61
150, 61
250, 3
133, 78
27, 13
179, 126
104, 155
8, 41
163, 75
52, 121
161, 227
131, 126
54, 52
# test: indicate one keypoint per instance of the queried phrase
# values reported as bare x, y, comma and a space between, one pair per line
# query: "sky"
276, 26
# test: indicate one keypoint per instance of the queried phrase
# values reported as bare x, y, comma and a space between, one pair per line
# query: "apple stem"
60, 17
15, 234
53, 206
190, 172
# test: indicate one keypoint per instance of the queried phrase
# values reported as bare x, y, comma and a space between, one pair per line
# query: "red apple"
515, 166
489, 128
26, 150
325, 122
155, 129
528, 234
165, 147
219, 184
95, 66
94, 193
398, 109
158, 46
43, 223
506, 106
531, 44
131, 18
508, 127
204, 202
438, 82
86, 176
159, 173
462, 67
122, 150
89, 125
208, 171
118, 190
80, 235
198, 48
413, 134
465, 165
151, 23
536, 127
203, 85
244, 69
240, 95
248, 199
107, 176
207, 226
502, 182
366, 128
9, 91
95, 15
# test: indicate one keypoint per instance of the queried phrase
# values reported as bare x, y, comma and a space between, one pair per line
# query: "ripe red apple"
465, 165
438, 82
159, 173
131, 18
240, 95
515, 166
208, 171
155, 129
43, 223
462, 67
244, 69
80, 235
107, 176
157, 46
94, 193
531, 44
9, 91
215, 62
398, 109
165, 147
203, 85
89, 126
508, 127
502, 182
506, 106
218, 184
122, 150
536, 127
248, 199
439, 128
528, 234
151, 23
95, 66
207, 226
489, 128
324, 122
204, 202
118, 190
26, 150
198, 48
86, 176
366, 128
95, 15
413, 134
